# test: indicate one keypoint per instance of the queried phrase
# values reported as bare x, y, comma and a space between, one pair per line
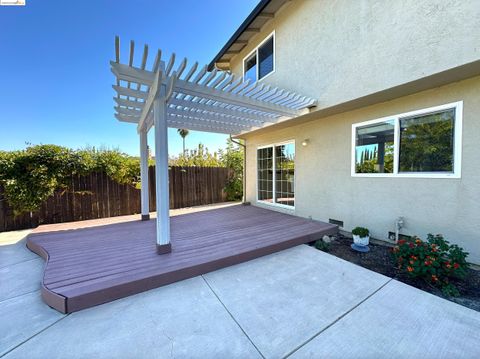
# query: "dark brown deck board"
114, 259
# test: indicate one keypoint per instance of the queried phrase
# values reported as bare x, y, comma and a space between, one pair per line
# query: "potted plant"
361, 236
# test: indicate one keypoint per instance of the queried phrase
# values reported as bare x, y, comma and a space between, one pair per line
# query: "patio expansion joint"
338, 319
233, 318
33, 336
22, 261
19, 295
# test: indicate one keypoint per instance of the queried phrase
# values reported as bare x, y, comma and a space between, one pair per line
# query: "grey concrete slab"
182, 320
400, 321
22, 317
15, 253
284, 299
21, 278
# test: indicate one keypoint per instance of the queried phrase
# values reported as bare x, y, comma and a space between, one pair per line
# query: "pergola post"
192, 98
145, 207
161, 173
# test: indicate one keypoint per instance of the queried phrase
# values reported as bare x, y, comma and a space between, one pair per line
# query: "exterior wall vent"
336, 221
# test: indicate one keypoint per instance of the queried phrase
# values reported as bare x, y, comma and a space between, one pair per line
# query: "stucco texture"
325, 188
336, 51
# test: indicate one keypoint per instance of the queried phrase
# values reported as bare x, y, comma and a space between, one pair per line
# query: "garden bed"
380, 260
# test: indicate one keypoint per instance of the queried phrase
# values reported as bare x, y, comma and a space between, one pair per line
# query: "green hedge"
32, 175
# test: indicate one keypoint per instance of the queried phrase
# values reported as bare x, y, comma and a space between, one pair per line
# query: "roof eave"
245, 24
459, 73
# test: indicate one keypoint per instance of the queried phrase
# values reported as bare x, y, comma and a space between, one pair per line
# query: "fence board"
98, 196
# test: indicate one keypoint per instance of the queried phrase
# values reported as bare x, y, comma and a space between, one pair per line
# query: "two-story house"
395, 134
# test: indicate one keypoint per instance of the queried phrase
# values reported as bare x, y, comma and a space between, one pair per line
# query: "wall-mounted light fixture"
305, 142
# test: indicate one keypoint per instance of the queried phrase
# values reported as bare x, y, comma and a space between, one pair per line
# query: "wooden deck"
111, 258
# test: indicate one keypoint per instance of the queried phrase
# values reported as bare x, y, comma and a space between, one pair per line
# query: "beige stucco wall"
340, 50
325, 188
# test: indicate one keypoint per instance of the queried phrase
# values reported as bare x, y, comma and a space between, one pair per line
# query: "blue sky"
55, 80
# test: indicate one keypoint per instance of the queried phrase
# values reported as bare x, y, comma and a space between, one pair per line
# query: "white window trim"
255, 51
273, 203
457, 160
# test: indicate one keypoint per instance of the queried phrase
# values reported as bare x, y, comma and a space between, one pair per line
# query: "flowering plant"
435, 260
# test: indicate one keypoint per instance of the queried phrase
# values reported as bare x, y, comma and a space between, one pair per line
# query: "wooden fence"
98, 196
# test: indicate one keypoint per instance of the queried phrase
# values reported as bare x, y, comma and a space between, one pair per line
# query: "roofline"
438, 79
245, 24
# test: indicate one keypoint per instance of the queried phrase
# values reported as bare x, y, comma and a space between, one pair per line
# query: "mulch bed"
379, 259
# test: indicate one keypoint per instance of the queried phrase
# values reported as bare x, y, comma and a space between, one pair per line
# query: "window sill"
408, 175
278, 205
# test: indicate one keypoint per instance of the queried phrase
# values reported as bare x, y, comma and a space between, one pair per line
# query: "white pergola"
169, 95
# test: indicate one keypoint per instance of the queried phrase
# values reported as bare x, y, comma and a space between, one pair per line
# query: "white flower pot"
361, 241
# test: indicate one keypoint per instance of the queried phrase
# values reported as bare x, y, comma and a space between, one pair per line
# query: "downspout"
244, 197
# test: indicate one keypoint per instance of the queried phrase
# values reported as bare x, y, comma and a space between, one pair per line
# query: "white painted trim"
255, 50
161, 170
144, 197
212, 101
458, 133
274, 204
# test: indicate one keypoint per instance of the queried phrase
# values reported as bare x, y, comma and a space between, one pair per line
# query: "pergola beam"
170, 95
210, 118
251, 117
193, 88
152, 95
190, 123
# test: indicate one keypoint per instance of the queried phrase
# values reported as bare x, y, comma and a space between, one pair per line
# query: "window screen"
265, 58
250, 68
427, 142
285, 174
374, 148
265, 174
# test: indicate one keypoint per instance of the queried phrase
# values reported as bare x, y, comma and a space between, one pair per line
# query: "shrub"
232, 157
361, 232
321, 245
436, 261
32, 175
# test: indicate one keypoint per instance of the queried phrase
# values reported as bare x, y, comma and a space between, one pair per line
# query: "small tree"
183, 132
201, 157
232, 157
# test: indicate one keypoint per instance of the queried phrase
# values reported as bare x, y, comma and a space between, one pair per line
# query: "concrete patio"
297, 303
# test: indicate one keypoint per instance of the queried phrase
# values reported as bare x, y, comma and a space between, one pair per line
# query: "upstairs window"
424, 143
261, 61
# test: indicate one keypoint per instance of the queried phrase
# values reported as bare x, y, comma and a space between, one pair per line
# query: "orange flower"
434, 278
427, 263
418, 241
448, 265
410, 269
401, 241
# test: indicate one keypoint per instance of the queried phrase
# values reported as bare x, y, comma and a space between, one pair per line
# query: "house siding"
325, 188
337, 51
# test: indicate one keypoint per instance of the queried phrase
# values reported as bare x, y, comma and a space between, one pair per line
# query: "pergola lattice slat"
179, 96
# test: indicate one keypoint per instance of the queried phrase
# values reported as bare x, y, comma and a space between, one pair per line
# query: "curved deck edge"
54, 300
